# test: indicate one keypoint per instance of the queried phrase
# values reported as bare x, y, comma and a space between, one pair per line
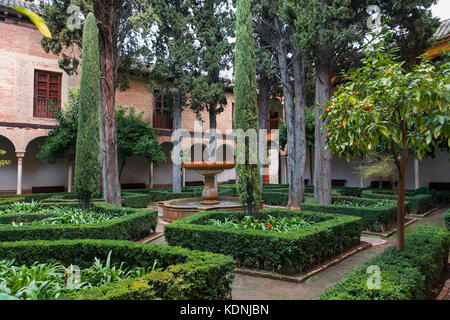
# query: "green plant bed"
181, 273
447, 219
418, 204
285, 252
130, 224
135, 200
408, 275
375, 218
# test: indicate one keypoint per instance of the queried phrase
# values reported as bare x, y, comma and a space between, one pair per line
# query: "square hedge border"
371, 217
129, 199
133, 226
181, 273
289, 252
407, 275
418, 203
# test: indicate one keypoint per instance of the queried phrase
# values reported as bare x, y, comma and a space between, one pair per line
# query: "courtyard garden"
248, 239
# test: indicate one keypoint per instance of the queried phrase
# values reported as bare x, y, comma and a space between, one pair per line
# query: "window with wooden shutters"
162, 111
47, 93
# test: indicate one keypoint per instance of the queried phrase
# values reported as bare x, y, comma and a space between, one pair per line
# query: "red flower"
269, 226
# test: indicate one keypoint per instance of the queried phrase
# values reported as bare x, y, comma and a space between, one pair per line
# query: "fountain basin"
172, 210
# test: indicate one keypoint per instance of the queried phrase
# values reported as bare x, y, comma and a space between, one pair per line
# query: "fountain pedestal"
210, 195
209, 170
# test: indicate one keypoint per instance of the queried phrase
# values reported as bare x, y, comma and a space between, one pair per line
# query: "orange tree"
381, 103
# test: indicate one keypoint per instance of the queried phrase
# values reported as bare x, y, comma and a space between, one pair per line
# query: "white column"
20, 156
183, 177
70, 176
150, 178
416, 173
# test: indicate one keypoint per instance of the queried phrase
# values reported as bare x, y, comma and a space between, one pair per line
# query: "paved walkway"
257, 288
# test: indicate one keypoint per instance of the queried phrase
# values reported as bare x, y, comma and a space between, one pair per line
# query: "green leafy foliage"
377, 215
48, 281
136, 137
87, 160
285, 252
104, 222
407, 275
418, 204
181, 273
3, 162
384, 102
447, 219
272, 224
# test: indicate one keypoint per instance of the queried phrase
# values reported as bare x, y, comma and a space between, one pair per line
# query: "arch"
197, 152
225, 152
39, 140
8, 173
6, 144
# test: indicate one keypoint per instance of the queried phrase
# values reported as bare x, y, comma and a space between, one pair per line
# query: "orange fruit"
329, 134
339, 127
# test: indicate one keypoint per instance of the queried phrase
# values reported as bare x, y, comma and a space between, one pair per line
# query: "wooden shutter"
47, 91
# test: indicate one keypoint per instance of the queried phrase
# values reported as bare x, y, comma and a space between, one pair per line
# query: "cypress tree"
87, 161
246, 111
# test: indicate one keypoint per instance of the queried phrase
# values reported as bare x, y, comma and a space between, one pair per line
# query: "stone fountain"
178, 208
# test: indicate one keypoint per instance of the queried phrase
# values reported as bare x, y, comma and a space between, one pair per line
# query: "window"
162, 112
47, 93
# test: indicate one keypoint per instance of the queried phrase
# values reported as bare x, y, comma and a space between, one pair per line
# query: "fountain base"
175, 209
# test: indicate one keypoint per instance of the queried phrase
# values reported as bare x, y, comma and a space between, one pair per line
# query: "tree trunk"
263, 98
300, 130
401, 202
322, 162
289, 106
176, 167
108, 30
311, 172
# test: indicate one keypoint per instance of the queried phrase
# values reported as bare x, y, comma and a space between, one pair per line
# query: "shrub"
185, 274
285, 252
447, 219
418, 204
135, 200
404, 276
440, 196
135, 225
275, 198
373, 218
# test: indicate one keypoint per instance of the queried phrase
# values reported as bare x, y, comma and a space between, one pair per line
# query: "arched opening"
40, 177
8, 173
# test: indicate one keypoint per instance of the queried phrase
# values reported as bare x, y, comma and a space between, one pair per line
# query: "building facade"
31, 82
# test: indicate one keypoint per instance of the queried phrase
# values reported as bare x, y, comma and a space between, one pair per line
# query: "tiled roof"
443, 31
21, 3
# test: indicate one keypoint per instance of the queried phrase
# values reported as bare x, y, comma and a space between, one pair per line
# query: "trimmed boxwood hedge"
184, 274
418, 204
135, 200
135, 225
408, 275
372, 218
447, 219
283, 252
165, 194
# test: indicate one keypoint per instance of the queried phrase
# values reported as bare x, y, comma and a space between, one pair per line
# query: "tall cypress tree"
87, 160
246, 111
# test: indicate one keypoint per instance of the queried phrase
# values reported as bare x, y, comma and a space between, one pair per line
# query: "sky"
442, 9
